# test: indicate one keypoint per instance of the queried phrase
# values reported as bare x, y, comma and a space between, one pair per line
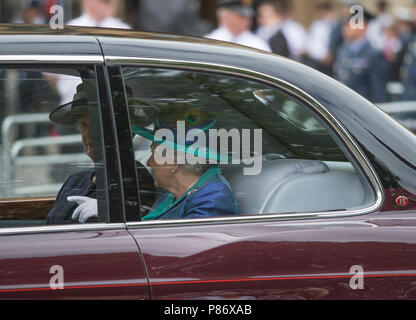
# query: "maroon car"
327, 198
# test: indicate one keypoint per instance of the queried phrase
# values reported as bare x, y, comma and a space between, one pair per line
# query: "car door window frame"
130, 190
112, 179
337, 128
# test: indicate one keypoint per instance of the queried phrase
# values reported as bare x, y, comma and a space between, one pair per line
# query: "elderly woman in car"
196, 190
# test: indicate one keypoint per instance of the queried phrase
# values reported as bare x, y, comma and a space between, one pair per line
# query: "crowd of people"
368, 58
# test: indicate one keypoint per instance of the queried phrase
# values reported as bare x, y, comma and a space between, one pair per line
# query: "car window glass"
50, 145
273, 151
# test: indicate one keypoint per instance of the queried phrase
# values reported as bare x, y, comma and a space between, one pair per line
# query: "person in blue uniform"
408, 67
191, 190
408, 72
360, 66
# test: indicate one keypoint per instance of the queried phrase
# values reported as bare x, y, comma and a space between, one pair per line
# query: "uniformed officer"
235, 21
359, 65
408, 69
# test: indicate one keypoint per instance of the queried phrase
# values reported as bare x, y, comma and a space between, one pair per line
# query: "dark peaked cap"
243, 7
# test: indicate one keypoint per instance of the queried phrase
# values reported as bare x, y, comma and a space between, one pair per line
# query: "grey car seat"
287, 185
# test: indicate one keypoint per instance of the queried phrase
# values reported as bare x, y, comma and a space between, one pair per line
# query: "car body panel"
283, 260
98, 263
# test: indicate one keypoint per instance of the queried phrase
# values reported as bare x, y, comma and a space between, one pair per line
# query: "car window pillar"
114, 184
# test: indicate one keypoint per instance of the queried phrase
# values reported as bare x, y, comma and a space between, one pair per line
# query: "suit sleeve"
215, 200
78, 184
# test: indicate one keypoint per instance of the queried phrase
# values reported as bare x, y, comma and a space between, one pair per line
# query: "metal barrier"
12, 149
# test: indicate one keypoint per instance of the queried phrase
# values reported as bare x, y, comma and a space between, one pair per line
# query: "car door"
309, 225
45, 253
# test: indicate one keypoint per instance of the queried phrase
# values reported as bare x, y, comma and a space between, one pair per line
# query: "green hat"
193, 119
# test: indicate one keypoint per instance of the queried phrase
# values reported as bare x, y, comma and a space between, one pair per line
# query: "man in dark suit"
269, 19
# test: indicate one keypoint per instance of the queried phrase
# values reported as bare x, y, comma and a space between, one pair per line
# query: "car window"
50, 145
272, 151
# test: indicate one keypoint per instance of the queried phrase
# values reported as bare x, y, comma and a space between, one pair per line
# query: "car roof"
44, 29
26, 39
82, 39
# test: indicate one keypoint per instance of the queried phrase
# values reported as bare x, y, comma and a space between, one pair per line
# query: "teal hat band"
195, 150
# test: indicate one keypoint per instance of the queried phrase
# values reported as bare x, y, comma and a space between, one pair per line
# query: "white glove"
87, 208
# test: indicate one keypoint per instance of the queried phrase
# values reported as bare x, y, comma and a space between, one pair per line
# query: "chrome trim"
61, 228
228, 220
343, 134
51, 58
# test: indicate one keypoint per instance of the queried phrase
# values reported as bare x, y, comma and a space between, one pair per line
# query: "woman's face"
162, 173
84, 127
